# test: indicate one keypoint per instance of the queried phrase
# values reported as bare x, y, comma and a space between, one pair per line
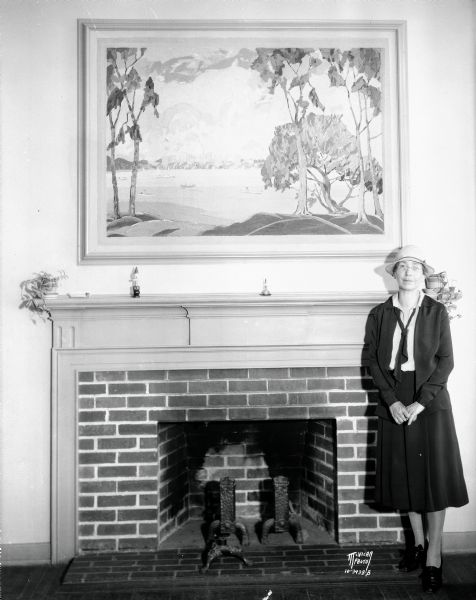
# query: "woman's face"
409, 275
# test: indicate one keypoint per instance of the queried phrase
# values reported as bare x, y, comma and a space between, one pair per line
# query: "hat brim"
427, 269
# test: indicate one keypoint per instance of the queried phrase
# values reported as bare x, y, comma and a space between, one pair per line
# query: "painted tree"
124, 84
357, 71
328, 147
290, 69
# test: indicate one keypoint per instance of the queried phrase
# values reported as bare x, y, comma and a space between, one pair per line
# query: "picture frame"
222, 140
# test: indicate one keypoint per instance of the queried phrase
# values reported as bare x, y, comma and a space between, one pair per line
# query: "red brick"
346, 452
109, 501
325, 412
245, 414
140, 514
228, 373
227, 400
84, 530
117, 529
267, 399
116, 443
86, 403
87, 444
147, 528
127, 388
378, 536
168, 387
325, 384
142, 429
247, 385
289, 412
127, 415
207, 414
346, 480
287, 385
90, 416
87, 472
187, 374
97, 487
308, 372
96, 430
356, 465
88, 458
117, 471
307, 398
139, 544
367, 424
347, 508
208, 387
86, 501
148, 443
150, 401
167, 416
137, 457
192, 401
111, 402
361, 411
85, 376
365, 494
98, 545
390, 522
347, 537
366, 508
91, 389
110, 376
352, 438
97, 515
148, 499
360, 384
138, 485
345, 397
358, 522
146, 375
269, 373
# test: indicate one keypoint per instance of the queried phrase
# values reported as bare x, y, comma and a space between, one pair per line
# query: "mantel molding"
218, 320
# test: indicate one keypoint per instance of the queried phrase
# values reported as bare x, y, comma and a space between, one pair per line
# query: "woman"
419, 467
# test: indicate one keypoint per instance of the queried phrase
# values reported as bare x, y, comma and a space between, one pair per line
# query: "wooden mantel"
119, 321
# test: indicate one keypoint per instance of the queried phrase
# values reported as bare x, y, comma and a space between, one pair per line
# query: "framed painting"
223, 139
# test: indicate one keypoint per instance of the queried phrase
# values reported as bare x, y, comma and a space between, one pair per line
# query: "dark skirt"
419, 465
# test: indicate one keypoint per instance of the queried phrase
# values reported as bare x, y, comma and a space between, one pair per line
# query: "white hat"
409, 252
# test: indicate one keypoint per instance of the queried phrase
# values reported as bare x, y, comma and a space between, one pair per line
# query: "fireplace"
155, 400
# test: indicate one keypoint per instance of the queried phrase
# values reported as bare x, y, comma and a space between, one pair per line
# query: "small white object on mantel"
78, 294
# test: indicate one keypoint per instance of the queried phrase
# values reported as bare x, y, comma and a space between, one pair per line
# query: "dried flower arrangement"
36, 290
440, 288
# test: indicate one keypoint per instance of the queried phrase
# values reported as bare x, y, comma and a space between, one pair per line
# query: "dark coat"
433, 354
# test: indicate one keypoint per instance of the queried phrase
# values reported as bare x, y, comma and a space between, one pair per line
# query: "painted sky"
213, 107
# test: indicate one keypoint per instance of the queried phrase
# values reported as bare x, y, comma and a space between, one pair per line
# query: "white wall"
39, 204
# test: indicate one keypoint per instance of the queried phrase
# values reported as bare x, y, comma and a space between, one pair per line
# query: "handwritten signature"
359, 563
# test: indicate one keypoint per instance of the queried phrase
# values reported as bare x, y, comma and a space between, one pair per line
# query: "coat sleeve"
443, 363
387, 392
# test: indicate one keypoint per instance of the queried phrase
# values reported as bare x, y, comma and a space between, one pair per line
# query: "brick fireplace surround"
137, 382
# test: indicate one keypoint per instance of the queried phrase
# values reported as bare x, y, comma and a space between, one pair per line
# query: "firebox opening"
194, 456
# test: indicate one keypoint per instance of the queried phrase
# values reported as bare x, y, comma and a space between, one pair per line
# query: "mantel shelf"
337, 298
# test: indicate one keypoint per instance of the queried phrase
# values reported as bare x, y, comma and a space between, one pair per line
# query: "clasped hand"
402, 413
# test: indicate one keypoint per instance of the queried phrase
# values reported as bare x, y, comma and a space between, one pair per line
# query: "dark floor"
323, 575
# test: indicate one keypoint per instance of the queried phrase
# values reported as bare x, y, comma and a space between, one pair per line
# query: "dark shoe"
432, 579
413, 559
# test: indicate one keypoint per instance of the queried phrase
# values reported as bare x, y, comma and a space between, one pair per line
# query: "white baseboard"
26, 554
459, 541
